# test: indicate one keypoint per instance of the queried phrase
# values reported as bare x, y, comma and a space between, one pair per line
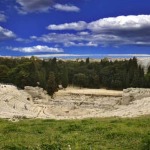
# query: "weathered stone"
125, 99
37, 93
15, 103
132, 94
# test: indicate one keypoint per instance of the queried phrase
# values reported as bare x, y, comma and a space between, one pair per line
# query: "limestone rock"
132, 94
33, 102
37, 94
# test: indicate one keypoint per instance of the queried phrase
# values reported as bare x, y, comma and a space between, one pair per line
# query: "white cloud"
2, 17
6, 34
38, 48
69, 39
28, 6
83, 33
66, 7
81, 25
23, 40
115, 31
107, 24
80, 44
130, 22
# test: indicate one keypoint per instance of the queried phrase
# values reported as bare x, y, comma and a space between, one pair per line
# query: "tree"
80, 80
42, 78
51, 84
4, 73
53, 65
87, 60
23, 75
107, 76
93, 80
64, 79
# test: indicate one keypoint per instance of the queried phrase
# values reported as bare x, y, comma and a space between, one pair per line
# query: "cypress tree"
51, 84
64, 78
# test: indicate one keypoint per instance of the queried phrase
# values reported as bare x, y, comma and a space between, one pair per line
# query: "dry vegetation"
84, 91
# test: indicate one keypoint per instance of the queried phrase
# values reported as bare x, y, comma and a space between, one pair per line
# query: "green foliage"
105, 74
109, 133
80, 80
51, 84
4, 73
87, 60
64, 78
23, 75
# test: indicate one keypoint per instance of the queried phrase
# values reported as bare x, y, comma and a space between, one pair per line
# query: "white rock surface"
132, 94
33, 102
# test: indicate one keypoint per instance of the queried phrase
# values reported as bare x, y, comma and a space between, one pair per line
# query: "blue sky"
66, 28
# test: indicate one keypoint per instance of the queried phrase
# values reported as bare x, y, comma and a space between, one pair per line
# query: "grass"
87, 134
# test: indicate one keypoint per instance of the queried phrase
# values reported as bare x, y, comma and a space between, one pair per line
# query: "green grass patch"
87, 134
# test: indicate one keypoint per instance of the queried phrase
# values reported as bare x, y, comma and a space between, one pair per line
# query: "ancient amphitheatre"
72, 103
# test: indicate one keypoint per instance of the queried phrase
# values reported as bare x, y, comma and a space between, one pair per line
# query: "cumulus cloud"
124, 23
6, 34
70, 39
2, 17
83, 33
29, 6
26, 6
66, 7
23, 40
108, 25
67, 39
134, 29
81, 44
81, 25
121, 30
38, 48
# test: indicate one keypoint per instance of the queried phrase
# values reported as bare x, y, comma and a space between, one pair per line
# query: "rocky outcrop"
33, 102
131, 94
38, 94
74, 101
27, 103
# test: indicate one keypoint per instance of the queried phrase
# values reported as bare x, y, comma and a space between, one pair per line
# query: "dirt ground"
84, 91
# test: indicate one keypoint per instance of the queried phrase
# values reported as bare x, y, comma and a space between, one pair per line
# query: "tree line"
51, 73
